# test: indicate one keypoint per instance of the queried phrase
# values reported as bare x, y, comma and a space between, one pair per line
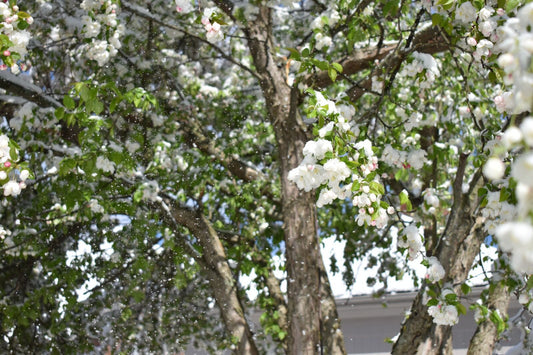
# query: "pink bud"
7, 53
3, 67
7, 164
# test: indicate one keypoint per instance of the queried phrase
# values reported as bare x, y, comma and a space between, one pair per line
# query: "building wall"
367, 322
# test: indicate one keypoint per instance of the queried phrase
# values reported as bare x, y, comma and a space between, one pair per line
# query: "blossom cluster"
526, 299
12, 177
516, 37
102, 29
104, 164
322, 39
321, 167
184, 6
13, 35
411, 239
444, 314
512, 39
213, 31
435, 271
168, 158
516, 234
150, 191
444, 308
496, 212
424, 66
415, 158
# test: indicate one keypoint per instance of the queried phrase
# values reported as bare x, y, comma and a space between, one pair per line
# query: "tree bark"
303, 259
486, 335
456, 252
215, 264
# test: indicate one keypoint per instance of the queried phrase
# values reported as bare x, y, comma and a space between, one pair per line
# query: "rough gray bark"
486, 335
304, 262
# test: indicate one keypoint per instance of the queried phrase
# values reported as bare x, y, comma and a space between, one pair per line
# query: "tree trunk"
303, 259
456, 252
486, 334
215, 264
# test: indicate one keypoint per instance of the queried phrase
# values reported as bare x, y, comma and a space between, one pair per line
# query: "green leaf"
59, 113
451, 298
67, 165
13, 152
282, 334
377, 188
461, 309
404, 200
85, 93
22, 25
321, 64
332, 74
505, 194
497, 319
437, 19
432, 293
446, 4
95, 106
69, 102
137, 196
294, 53
126, 314
401, 175
465, 289
510, 5
337, 67
114, 103
390, 8
432, 302
22, 14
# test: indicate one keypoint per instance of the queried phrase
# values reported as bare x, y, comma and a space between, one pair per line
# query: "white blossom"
95, 206
527, 130
322, 41
4, 149
494, 169
412, 240
326, 197
522, 169
317, 149
466, 13
307, 175
150, 191
444, 314
12, 188
105, 164
435, 271
517, 239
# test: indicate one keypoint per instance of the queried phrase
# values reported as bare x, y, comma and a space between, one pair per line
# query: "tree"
175, 148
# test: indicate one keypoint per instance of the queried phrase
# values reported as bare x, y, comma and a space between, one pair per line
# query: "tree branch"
429, 40
17, 86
